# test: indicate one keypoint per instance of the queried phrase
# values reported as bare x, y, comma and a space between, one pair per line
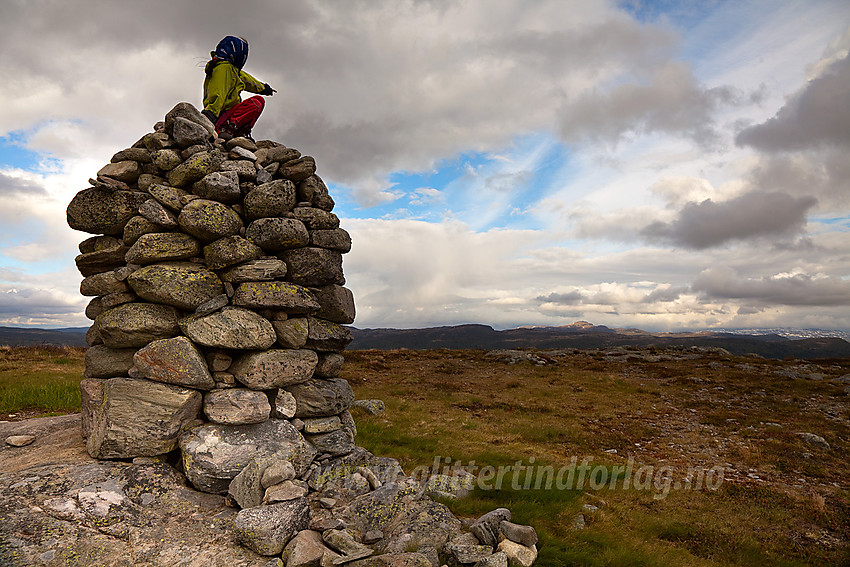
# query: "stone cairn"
219, 317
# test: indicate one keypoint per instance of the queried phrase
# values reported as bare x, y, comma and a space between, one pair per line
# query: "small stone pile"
219, 317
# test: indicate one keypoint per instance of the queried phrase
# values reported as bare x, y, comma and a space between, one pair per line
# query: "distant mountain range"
584, 335
581, 335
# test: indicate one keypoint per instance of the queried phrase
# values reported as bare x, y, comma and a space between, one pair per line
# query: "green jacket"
223, 84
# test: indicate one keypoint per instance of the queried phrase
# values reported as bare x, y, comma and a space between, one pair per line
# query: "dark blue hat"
233, 49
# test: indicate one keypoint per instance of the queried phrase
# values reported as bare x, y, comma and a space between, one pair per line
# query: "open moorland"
617, 456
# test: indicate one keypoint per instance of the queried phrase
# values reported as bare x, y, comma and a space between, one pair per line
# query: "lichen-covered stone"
98, 211
194, 168
335, 239
285, 296
162, 247
299, 169
209, 220
237, 406
156, 213
220, 186
274, 368
188, 133
327, 336
108, 256
189, 112
136, 227
136, 324
244, 169
166, 159
273, 199
170, 197
182, 284
127, 171
232, 327
316, 219
136, 418
313, 267
264, 269
173, 361
330, 364
267, 529
319, 397
229, 251
105, 362
141, 155
337, 304
214, 454
291, 333
275, 234
102, 284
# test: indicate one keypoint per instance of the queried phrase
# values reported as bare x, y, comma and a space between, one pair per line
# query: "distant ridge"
583, 335
29, 336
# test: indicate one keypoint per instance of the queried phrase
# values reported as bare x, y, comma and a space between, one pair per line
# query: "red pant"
242, 116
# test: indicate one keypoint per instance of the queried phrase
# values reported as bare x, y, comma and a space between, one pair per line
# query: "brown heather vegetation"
780, 502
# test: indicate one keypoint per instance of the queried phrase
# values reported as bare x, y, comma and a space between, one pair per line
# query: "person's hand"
208, 113
267, 90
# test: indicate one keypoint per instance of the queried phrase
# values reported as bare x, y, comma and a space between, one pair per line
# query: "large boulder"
136, 324
137, 418
182, 284
214, 454
99, 211
173, 361
231, 327
274, 368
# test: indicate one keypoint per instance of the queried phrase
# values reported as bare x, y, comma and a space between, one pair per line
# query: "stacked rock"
217, 285
219, 317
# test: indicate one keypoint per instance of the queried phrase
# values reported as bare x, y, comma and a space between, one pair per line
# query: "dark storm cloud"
754, 215
818, 115
791, 289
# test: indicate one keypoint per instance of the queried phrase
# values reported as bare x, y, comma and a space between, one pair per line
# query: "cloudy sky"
661, 164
